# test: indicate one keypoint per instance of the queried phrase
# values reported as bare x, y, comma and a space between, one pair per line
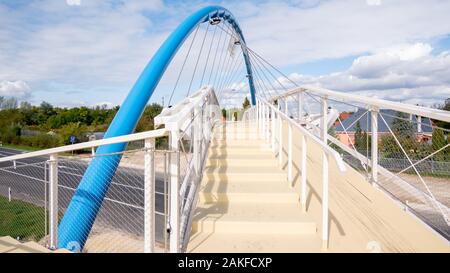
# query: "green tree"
446, 107
437, 142
24, 105
358, 136
9, 103
403, 128
72, 129
146, 123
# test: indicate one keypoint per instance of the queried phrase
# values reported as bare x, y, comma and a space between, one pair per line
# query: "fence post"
259, 115
272, 121
149, 195
304, 173
324, 200
280, 140
267, 122
324, 125
374, 145
53, 200
324, 136
286, 106
300, 106
290, 153
197, 139
174, 218
263, 109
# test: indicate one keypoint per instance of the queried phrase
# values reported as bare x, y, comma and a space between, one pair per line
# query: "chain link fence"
119, 225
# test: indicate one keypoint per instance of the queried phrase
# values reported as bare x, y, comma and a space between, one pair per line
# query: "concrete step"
233, 144
244, 218
238, 137
248, 186
236, 129
227, 162
237, 177
253, 243
255, 170
266, 152
248, 157
229, 197
238, 142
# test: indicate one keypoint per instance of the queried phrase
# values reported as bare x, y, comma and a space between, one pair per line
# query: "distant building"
95, 136
423, 131
343, 116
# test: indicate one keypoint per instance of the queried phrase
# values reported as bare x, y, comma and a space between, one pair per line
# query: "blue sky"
80, 52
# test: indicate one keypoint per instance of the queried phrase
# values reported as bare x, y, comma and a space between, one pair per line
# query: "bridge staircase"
245, 202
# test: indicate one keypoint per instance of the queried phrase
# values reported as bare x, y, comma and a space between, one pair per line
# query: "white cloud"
407, 72
373, 2
105, 44
18, 89
289, 35
104, 104
73, 2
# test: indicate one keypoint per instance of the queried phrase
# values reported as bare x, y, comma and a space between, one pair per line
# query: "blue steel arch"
85, 204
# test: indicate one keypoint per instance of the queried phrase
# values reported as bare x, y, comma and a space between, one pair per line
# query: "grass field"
21, 147
21, 219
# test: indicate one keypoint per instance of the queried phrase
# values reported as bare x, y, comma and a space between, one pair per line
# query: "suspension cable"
184, 63
198, 58
207, 58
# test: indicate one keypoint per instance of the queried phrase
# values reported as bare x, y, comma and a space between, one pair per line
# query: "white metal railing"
270, 123
55, 171
403, 182
188, 126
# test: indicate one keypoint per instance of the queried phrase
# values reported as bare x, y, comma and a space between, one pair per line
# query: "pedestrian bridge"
299, 169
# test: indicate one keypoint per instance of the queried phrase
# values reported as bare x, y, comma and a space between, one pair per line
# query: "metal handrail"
324, 146
379, 103
107, 141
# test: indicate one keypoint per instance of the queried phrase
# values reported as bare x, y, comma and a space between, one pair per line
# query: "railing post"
272, 121
197, 139
259, 116
300, 106
53, 200
149, 195
324, 125
324, 200
174, 218
267, 122
289, 153
324, 136
286, 112
304, 172
280, 140
263, 109
374, 145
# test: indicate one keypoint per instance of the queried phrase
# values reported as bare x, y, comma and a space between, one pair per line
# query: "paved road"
125, 198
